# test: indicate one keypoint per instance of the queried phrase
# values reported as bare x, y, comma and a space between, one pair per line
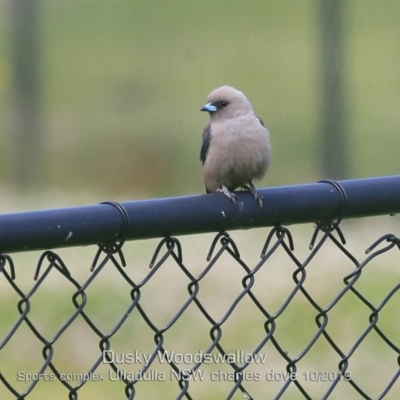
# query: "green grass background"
122, 84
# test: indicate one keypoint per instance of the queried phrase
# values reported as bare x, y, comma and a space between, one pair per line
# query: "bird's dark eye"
224, 103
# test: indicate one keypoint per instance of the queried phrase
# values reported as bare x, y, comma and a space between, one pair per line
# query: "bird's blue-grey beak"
209, 107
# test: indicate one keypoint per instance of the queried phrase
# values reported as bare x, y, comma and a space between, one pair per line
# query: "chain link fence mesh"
213, 326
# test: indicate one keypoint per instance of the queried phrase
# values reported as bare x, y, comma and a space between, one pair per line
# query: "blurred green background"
120, 85
116, 88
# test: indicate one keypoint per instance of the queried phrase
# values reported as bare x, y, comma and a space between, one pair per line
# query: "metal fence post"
27, 155
334, 144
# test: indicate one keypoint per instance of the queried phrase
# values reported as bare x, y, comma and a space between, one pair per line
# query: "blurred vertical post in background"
334, 143
27, 154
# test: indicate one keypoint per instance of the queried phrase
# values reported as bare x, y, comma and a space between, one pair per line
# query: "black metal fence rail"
106, 222
110, 225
